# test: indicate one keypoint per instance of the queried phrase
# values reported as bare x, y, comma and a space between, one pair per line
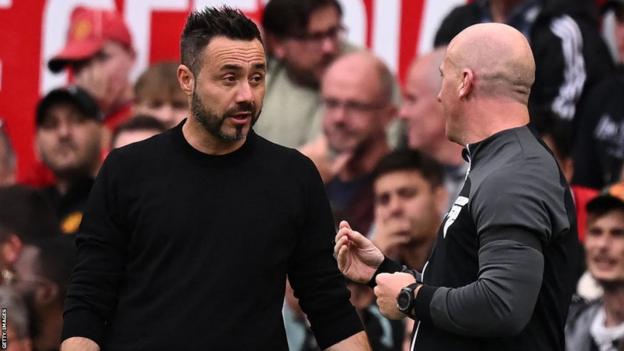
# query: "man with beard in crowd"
69, 142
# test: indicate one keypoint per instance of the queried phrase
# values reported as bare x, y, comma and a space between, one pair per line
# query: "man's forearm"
357, 341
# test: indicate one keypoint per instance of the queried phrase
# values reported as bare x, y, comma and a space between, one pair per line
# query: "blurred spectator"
570, 55
426, 126
302, 38
69, 141
157, 93
357, 98
42, 276
100, 55
599, 150
556, 136
409, 202
17, 323
599, 325
7, 158
137, 128
25, 217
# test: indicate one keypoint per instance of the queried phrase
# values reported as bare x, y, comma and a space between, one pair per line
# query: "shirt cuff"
387, 266
338, 328
423, 301
83, 323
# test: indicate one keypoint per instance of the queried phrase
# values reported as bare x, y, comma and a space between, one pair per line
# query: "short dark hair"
138, 123
604, 204
202, 26
288, 18
27, 213
411, 160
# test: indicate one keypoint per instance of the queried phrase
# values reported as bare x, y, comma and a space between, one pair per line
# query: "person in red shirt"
99, 55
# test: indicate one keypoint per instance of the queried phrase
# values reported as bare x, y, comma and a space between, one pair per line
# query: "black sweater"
183, 250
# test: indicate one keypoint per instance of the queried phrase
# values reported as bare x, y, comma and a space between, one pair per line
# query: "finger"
382, 278
358, 239
344, 224
342, 233
342, 257
339, 244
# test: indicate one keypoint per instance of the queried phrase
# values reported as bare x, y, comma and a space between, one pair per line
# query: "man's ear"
389, 115
46, 293
467, 83
10, 250
276, 46
186, 79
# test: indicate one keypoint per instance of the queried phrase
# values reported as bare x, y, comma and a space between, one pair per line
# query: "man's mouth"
604, 262
240, 117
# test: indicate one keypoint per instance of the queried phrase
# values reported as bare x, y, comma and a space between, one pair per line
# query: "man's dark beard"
213, 123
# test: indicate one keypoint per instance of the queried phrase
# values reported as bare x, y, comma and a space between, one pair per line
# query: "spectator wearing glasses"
7, 158
303, 38
357, 97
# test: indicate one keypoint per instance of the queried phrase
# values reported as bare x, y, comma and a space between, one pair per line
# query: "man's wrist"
406, 300
386, 266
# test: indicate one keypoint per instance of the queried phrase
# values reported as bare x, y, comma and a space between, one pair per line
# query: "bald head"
425, 70
360, 65
357, 90
500, 58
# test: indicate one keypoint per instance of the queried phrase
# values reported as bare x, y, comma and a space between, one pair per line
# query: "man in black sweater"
500, 275
189, 235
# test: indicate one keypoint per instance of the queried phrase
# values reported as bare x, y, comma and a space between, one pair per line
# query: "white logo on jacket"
454, 212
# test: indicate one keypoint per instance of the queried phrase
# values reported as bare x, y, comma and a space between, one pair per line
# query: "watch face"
403, 300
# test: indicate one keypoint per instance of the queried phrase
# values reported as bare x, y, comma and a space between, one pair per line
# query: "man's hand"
358, 258
391, 234
78, 343
387, 290
327, 164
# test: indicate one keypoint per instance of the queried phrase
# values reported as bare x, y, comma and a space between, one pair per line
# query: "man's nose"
329, 45
244, 92
63, 129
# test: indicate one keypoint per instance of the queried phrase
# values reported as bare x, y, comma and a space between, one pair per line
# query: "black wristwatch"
406, 298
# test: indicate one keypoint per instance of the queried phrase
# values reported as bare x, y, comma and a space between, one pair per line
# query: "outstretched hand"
358, 258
